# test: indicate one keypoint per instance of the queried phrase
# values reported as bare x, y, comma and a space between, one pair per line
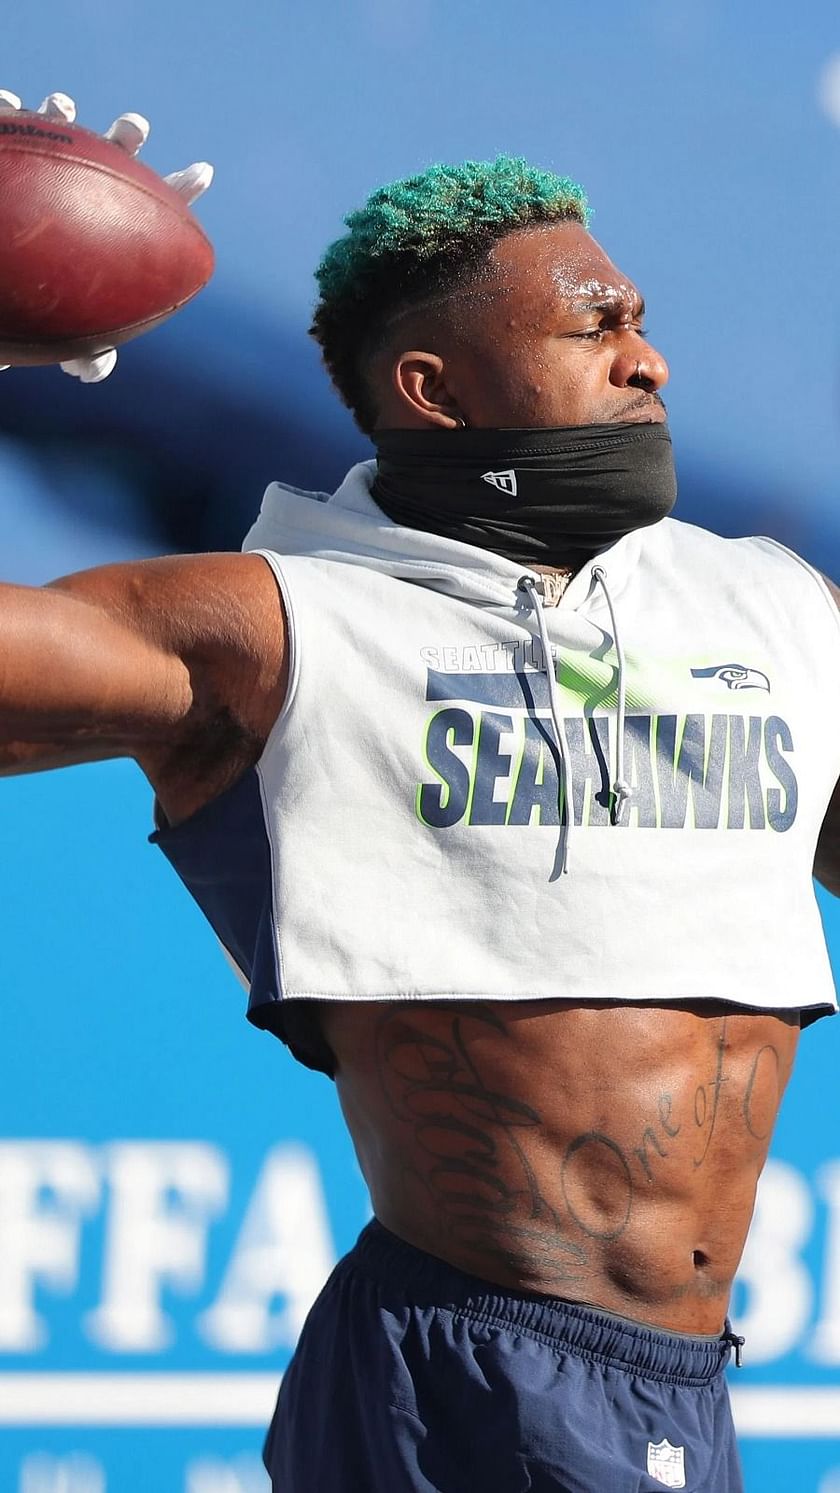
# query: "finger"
58, 106
192, 181
9, 102
130, 132
91, 370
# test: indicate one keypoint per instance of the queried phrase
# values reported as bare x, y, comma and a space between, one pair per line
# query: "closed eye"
596, 334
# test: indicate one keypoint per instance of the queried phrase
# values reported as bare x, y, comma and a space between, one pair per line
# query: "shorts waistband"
585, 1331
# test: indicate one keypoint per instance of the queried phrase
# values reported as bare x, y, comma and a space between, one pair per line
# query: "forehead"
557, 267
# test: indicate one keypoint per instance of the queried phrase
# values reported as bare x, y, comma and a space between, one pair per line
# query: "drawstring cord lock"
737, 1342
619, 794
621, 790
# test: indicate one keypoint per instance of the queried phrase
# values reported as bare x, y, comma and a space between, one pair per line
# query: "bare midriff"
606, 1154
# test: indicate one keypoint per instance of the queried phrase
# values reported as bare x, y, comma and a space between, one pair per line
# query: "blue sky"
696, 126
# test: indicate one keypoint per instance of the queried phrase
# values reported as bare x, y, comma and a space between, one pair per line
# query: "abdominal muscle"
603, 1153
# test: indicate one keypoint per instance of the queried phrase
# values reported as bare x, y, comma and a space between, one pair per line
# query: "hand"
130, 132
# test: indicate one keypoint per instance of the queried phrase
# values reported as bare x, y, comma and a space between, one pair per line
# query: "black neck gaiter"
540, 497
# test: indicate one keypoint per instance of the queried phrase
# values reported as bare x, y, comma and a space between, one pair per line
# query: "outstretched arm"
149, 660
168, 661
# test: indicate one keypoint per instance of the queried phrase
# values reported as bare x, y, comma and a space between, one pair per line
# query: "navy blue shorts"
411, 1377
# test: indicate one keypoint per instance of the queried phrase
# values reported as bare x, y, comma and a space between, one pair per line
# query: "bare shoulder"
177, 598
222, 616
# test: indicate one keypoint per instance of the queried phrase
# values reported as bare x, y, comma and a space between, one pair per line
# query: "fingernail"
130, 131
192, 181
58, 106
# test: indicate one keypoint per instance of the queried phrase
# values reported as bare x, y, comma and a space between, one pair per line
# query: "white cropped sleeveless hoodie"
472, 795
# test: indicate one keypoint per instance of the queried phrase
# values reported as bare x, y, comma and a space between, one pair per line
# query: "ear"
419, 382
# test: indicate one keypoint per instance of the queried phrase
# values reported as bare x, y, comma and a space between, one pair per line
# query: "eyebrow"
608, 305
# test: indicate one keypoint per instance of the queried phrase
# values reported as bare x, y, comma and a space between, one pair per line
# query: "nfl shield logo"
666, 1463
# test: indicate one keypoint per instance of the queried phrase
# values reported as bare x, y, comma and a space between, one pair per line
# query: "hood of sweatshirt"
350, 528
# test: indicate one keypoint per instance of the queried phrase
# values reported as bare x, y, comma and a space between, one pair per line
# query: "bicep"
73, 665
126, 658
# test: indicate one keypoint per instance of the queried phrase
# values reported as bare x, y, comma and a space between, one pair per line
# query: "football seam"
178, 207
59, 337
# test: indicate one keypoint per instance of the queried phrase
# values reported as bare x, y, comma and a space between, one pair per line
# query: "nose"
639, 368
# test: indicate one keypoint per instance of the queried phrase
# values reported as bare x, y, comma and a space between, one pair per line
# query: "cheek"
503, 383
534, 372
563, 390
532, 384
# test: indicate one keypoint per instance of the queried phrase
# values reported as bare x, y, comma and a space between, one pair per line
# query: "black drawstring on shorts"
736, 1342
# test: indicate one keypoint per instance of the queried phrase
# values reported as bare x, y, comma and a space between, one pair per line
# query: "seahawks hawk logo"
734, 676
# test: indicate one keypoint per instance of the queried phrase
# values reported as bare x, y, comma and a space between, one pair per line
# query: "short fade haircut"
418, 239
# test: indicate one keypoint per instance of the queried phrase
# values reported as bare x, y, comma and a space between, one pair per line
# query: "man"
501, 790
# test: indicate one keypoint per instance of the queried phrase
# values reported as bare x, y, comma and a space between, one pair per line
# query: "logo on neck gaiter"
504, 481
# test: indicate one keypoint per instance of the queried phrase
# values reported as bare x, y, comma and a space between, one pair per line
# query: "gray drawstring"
529, 585
621, 789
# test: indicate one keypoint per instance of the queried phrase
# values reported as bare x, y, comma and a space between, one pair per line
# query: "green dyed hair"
417, 239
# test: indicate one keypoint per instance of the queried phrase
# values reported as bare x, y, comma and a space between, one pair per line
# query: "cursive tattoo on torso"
475, 1153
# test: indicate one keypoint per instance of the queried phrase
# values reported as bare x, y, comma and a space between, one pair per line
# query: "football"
96, 248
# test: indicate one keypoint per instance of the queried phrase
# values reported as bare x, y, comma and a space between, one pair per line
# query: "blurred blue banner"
174, 1188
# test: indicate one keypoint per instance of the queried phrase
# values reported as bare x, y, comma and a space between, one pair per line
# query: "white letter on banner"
284, 1249
164, 1194
244, 1475
77, 1473
780, 1291
825, 1344
45, 1188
